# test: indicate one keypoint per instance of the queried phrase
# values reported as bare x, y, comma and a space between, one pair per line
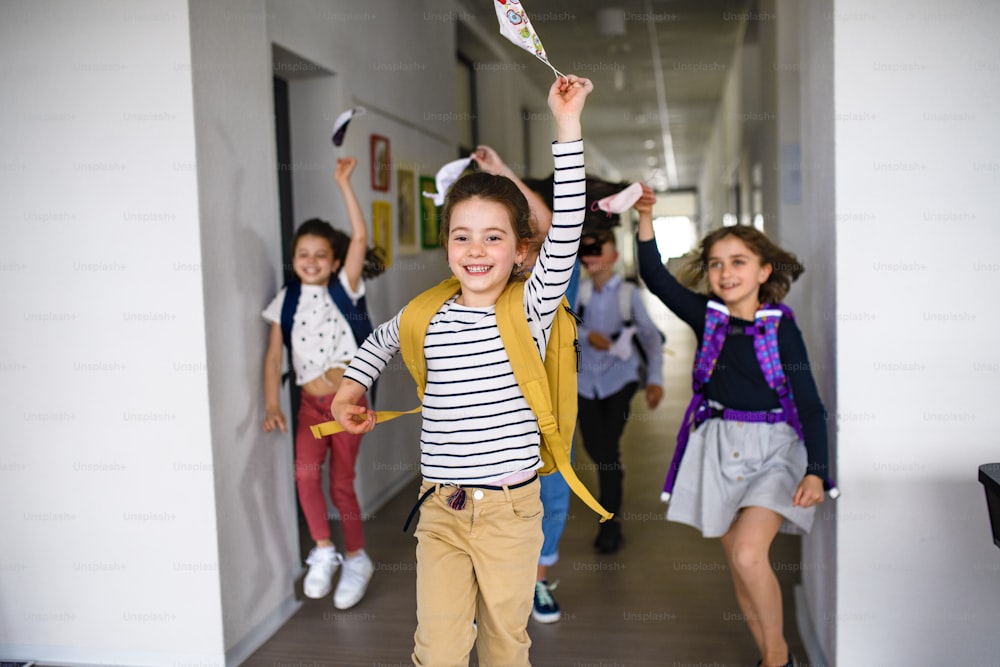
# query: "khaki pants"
478, 563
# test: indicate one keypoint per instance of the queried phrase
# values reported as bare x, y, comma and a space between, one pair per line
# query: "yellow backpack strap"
413, 328
412, 331
530, 373
381, 416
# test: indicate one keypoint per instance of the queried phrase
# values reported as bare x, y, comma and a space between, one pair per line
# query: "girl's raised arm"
354, 262
645, 209
566, 98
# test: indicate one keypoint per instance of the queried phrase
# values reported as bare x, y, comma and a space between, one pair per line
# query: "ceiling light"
618, 77
670, 162
611, 22
649, 144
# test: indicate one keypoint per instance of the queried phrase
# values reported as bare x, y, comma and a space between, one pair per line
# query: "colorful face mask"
515, 26
446, 177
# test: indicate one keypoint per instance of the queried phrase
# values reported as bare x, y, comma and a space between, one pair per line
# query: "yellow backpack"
549, 387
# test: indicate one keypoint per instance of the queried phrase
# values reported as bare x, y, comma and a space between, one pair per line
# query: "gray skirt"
729, 465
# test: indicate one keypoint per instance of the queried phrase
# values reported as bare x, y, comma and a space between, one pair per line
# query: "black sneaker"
546, 609
609, 537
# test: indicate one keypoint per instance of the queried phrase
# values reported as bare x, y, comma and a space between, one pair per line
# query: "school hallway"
158, 157
665, 598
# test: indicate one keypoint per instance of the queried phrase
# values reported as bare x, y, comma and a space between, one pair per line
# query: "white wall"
918, 189
723, 151
257, 533
807, 224
109, 550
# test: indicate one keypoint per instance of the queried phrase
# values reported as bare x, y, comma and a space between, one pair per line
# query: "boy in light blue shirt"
610, 369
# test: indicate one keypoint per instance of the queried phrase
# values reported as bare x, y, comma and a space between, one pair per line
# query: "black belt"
457, 499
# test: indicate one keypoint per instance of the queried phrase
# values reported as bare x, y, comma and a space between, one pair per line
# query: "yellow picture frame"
382, 228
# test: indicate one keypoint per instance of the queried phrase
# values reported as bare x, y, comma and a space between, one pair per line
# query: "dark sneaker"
546, 609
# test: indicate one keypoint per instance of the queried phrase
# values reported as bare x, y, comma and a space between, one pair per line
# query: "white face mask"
446, 177
340, 125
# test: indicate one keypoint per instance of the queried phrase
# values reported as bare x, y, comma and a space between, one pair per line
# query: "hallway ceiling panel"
610, 42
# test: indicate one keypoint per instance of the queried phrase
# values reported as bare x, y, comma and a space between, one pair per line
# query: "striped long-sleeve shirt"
477, 427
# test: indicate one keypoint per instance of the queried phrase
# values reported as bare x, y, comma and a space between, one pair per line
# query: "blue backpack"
355, 314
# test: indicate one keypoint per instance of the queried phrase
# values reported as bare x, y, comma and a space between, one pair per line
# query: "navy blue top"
738, 381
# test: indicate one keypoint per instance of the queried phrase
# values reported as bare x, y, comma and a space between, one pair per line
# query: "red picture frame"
381, 165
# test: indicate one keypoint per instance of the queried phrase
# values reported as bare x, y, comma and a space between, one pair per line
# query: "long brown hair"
785, 267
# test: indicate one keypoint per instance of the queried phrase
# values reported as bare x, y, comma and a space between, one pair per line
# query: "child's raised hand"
568, 93
809, 493
645, 208
489, 161
345, 167
566, 97
646, 201
274, 419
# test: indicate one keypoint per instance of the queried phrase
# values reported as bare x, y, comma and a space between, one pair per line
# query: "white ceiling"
696, 40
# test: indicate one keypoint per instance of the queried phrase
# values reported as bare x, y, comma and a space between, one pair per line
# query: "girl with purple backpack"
751, 456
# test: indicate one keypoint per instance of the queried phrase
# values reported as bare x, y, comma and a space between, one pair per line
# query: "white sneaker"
353, 582
323, 563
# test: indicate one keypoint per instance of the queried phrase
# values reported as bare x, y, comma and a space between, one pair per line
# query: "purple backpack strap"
765, 345
716, 328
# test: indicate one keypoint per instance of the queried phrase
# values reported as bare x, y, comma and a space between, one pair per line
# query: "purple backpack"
765, 345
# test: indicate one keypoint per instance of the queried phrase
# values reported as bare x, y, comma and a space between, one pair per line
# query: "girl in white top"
322, 344
476, 560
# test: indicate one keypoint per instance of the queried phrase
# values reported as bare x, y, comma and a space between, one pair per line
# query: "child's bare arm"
352, 417
273, 417
354, 263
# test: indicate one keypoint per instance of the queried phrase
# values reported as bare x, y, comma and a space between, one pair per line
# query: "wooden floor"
664, 599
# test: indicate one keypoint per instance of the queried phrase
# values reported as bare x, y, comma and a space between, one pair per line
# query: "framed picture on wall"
381, 166
382, 228
430, 220
406, 212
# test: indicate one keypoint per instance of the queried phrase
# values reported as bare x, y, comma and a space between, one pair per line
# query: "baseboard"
73, 656
260, 633
807, 631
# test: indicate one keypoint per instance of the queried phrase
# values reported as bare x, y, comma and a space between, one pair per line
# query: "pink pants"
310, 453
